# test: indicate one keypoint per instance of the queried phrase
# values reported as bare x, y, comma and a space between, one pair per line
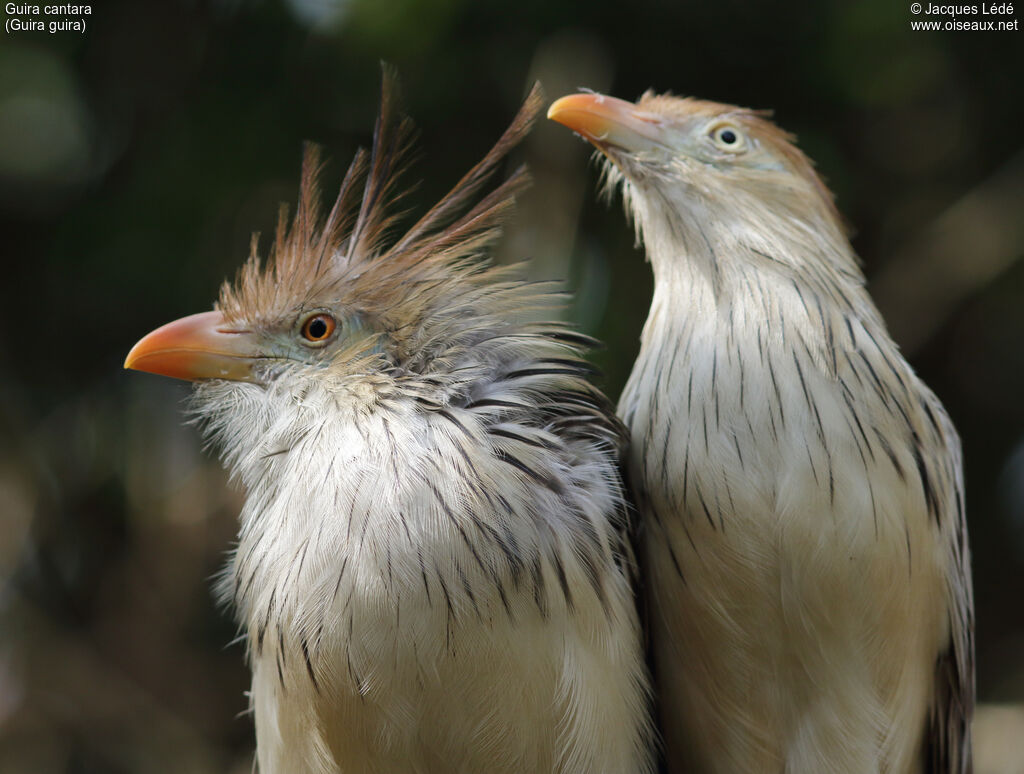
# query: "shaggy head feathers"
411, 298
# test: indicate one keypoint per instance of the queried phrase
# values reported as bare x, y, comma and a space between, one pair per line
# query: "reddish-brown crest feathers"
312, 258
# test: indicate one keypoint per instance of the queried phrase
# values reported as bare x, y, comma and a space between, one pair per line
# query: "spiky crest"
345, 257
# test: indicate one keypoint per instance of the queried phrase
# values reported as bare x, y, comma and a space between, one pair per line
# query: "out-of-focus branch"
965, 248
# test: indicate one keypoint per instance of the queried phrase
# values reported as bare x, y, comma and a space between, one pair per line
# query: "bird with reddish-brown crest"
432, 568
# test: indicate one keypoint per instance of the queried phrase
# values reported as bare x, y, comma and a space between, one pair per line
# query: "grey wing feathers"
948, 740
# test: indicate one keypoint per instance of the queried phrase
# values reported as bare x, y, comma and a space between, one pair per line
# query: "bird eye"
318, 328
728, 138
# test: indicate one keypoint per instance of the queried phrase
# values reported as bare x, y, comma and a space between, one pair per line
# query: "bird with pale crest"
433, 568
805, 553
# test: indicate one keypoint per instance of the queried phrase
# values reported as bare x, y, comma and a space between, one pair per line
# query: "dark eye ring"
318, 328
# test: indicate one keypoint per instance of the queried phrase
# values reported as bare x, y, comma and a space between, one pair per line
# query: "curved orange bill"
608, 122
201, 346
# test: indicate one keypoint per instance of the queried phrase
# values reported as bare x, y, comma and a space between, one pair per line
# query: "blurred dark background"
135, 160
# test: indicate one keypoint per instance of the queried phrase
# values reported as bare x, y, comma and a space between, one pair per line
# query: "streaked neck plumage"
732, 269
775, 427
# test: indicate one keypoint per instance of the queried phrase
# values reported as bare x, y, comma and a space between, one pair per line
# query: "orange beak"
198, 347
608, 122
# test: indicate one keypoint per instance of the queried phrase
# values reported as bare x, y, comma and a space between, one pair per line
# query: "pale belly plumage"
798, 580
502, 700
435, 624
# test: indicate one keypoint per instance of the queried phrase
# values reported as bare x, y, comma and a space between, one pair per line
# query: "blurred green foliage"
136, 159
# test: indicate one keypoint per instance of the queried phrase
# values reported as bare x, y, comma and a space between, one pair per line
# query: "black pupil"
317, 328
728, 136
